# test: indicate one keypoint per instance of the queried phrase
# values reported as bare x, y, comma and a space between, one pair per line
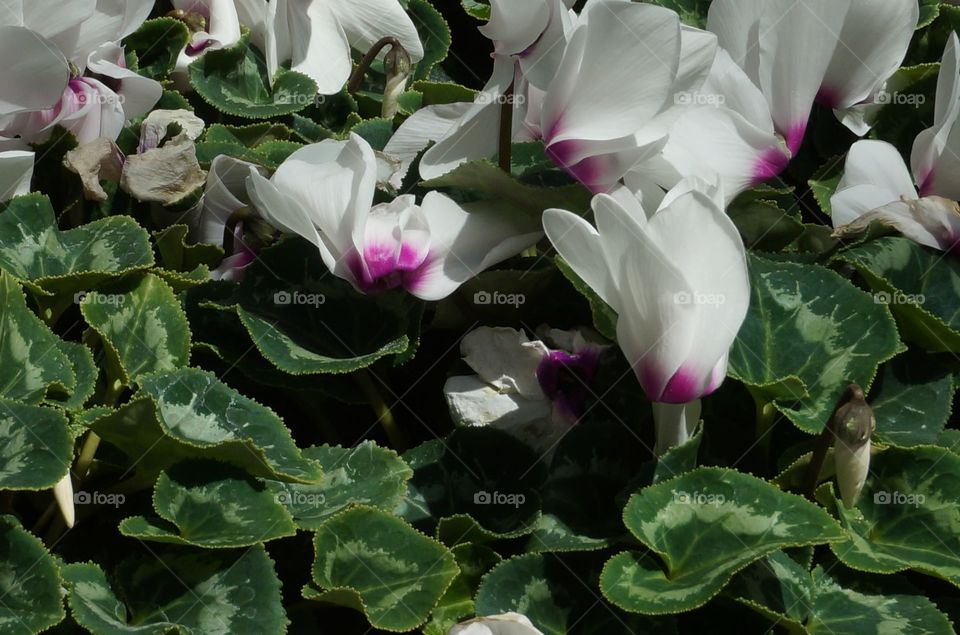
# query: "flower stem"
357, 78
384, 416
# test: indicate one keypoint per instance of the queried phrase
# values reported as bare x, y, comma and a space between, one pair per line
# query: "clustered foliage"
243, 465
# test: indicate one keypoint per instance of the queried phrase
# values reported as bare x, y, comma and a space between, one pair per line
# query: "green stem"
385, 417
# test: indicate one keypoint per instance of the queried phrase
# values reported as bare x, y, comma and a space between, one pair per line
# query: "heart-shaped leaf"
373, 561
179, 589
705, 525
30, 584
809, 327
189, 413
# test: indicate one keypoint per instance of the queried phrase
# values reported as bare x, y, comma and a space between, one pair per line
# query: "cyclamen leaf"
306, 321
179, 589
33, 249
157, 45
705, 525
189, 413
142, 326
31, 359
552, 591
373, 561
30, 584
434, 33
906, 515
176, 254
234, 81
486, 178
364, 475
920, 284
820, 604
85, 372
37, 447
809, 327
211, 505
477, 9
912, 401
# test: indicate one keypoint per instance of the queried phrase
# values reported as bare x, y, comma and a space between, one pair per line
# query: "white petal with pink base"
324, 193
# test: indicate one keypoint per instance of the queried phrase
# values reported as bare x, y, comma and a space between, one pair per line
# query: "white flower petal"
466, 241
476, 134
505, 358
872, 45
33, 74
935, 161
594, 95
16, 171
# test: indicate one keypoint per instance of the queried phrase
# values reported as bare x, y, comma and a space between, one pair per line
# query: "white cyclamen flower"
220, 29
82, 34
677, 280
877, 185
324, 192
317, 37
798, 52
521, 385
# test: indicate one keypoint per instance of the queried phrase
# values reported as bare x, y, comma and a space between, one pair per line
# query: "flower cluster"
556, 265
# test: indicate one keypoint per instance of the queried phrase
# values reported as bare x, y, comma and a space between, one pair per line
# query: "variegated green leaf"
85, 373
157, 45
912, 401
921, 286
558, 593
234, 81
809, 327
179, 590
31, 357
37, 446
306, 321
29, 584
142, 326
370, 560
906, 516
705, 526
33, 249
364, 475
189, 413
819, 603
208, 504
